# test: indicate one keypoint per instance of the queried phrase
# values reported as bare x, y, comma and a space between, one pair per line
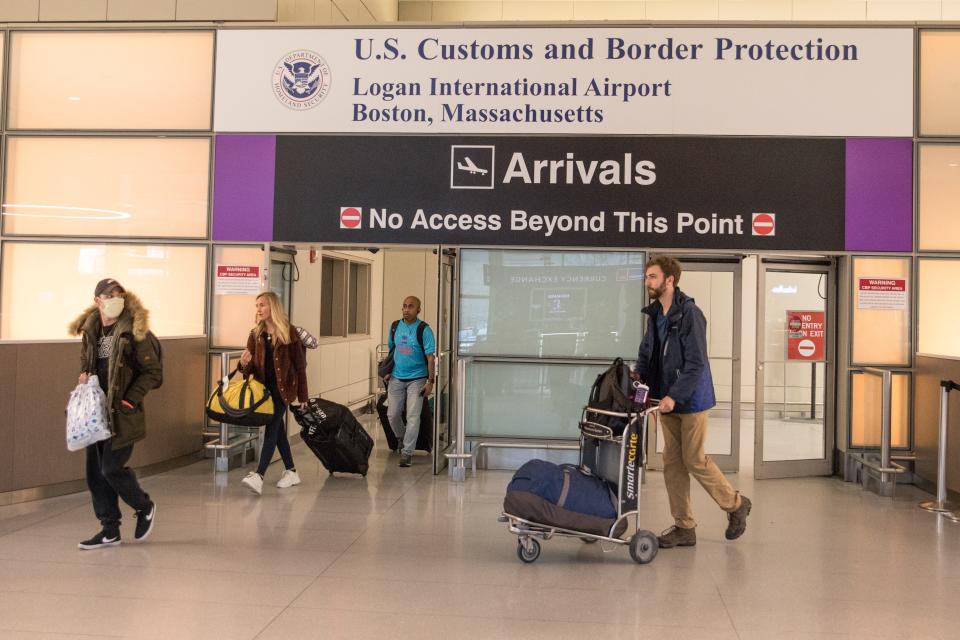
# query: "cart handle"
620, 414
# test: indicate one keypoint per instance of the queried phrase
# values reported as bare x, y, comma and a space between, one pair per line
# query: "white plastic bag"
87, 415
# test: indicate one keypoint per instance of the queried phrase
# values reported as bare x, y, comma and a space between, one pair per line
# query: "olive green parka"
134, 368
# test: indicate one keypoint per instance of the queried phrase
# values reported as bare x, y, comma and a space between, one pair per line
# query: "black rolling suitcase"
334, 435
424, 438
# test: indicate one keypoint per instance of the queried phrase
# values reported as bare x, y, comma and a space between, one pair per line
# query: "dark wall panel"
929, 373
8, 417
35, 383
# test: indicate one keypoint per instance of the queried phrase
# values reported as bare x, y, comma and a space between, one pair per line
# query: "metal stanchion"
941, 504
457, 461
886, 425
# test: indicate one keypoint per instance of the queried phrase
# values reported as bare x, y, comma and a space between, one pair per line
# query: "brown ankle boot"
678, 537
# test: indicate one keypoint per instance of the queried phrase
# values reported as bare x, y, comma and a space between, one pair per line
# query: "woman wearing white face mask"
119, 348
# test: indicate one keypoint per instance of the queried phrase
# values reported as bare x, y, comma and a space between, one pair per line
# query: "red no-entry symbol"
764, 224
349, 218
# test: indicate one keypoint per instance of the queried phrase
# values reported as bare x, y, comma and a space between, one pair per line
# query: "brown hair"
669, 266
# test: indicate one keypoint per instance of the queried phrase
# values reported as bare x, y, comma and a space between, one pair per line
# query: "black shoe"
103, 539
406, 460
145, 520
737, 520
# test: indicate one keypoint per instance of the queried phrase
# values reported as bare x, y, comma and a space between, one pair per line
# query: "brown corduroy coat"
289, 364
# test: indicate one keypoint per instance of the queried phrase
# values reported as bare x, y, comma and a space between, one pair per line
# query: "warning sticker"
882, 293
237, 280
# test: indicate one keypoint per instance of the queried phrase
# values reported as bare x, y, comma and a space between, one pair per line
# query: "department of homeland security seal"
301, 80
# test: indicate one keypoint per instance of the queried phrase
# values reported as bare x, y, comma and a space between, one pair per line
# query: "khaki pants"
683, 456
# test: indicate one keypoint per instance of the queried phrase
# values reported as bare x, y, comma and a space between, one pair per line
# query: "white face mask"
113, 307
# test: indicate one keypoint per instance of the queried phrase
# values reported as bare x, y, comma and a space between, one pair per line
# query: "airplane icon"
467, 165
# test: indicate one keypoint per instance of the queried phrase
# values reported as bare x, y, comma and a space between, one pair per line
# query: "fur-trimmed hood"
133, 309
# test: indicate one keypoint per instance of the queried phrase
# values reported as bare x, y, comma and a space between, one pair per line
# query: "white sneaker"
288, 479
254, 482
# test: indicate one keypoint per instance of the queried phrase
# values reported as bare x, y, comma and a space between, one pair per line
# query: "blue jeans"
402, 393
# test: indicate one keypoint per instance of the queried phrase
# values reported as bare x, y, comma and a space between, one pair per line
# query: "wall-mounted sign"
236, 280
882, 293
806, 335
758, 81
719, 193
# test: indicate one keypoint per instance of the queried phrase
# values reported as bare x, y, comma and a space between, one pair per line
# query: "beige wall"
701, 10
371, 11
305, 11
409, 272
337, 11
340, 369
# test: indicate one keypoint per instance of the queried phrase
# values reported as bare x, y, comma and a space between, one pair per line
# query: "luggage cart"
600, 449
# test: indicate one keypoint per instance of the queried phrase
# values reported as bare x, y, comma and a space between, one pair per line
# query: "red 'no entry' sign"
349, 218
764, 224
806, 335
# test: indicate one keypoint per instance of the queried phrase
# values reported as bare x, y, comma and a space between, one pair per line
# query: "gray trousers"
400, 394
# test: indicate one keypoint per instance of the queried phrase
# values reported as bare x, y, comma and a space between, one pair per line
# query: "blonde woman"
275, 357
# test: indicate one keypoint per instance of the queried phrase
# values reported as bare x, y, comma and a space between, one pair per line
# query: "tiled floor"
404, 554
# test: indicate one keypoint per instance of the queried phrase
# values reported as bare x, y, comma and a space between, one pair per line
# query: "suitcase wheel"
528, 549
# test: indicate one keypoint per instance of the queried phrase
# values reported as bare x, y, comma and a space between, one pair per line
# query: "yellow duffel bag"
243, 402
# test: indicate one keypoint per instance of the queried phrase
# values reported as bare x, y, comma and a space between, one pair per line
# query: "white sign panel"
237, 280
882, 293
763, 81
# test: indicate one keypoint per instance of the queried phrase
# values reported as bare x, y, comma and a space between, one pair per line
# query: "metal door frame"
729, 463
797, 468
447, 307
280, 255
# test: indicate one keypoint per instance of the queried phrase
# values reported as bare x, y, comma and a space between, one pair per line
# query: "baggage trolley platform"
595, 440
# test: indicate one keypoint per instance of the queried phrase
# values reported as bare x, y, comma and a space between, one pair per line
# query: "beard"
655, 293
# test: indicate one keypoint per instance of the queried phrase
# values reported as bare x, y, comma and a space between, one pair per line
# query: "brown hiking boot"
677, 537
738, 519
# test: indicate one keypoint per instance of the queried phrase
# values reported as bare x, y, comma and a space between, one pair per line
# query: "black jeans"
275, 437
108, 478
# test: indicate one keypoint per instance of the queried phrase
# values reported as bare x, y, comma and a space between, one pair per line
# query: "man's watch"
429, 381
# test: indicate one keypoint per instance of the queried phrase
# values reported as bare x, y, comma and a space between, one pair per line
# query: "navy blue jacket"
683, 371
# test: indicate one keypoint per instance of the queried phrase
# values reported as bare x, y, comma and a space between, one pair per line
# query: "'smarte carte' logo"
301, 80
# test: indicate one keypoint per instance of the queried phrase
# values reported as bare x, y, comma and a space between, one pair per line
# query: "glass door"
796, 365
446, 330
715, 285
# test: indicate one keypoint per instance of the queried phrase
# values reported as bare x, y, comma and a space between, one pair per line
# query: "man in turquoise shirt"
411, 382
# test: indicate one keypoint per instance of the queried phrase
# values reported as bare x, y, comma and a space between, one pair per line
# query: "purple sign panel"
243, 185
682, 193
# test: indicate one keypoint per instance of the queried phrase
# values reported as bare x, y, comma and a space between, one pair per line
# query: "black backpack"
612, 391
385, 367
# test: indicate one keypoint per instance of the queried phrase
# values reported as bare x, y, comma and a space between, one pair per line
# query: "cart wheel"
588, 540
644, 547
528, 555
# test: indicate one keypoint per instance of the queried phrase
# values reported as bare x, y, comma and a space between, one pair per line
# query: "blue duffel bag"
565, 486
